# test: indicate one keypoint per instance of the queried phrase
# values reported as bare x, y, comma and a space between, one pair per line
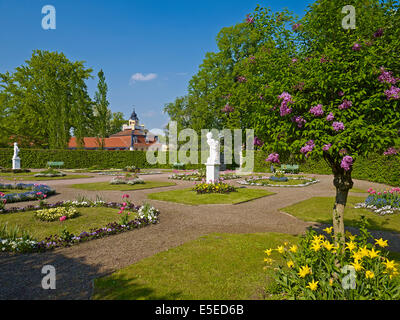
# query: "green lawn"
121, 187
216, 266
6, 191
319, 209
358, 190
32, 178
187, 196
89, 218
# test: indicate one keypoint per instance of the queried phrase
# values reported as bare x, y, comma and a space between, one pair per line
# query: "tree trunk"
343, 183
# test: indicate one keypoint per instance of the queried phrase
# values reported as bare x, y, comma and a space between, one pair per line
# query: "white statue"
16, 150
16, 161
214, 150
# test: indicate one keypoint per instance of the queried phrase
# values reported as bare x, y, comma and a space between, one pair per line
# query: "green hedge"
377, 168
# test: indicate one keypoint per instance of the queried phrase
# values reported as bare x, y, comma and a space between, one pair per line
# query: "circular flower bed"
201, 175
280, 181
34, 192
127, 180
56, 214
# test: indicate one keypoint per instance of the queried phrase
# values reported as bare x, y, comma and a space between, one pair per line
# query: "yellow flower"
268, 260
293, 248
357, 266
351, 246
373, 254
290, 264
318, 238
390, 265
357, 255
328, 230
331, 282
285, 243
350, 236
303, 271
313, 285
369, 274
364, 252
281, 249
268, 252
328, 246
315, 246
382, 243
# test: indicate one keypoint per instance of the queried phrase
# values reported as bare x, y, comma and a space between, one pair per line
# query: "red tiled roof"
112, 142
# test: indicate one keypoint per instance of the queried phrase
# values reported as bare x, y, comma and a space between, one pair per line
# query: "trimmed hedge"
377, 168
75, 159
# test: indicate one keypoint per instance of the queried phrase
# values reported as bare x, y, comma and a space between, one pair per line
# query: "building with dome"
134, 137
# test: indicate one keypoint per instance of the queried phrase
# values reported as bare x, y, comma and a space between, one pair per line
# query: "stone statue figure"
16, 161
16, 150
214, 150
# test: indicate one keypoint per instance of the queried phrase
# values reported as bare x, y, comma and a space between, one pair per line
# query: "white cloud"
157, 132
141, 77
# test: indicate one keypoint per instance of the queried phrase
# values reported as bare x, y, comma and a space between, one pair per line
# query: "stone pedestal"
212, 172
16, 163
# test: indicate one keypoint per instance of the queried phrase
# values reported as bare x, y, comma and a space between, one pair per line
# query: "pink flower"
249, 19
2, 194
330, 117
273, 157
125, 196
393, 93
356, 47
337, 126
300, 121
45, 196
241, 79
228, 108
390, 151
296, 26
284, 109
63, 218
347, 162
346, 104
317, 110
326, 147
308, 148
124, 204
378, 33
387, 77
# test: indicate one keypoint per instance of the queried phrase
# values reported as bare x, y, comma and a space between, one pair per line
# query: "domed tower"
133, 120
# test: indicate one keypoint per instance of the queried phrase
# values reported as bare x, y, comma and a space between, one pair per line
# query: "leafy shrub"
56, 214
318, 269
217, 187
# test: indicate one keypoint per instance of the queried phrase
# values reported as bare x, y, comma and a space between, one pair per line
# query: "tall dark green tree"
102, 123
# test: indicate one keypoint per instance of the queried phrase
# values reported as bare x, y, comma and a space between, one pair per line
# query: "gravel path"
77, 266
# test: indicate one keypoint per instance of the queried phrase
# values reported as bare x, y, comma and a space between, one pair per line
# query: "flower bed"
201, 175
126, 180
142, 216
264, 181
36, 191
50, 173
318, 268
54, 214
216, 187
382, 203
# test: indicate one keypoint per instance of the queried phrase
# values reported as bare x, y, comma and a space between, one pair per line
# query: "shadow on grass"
111, 288
21, 277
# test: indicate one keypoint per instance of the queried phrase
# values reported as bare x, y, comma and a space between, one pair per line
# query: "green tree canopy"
45, 100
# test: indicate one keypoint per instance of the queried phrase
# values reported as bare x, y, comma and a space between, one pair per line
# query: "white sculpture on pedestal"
213, 161
16, 161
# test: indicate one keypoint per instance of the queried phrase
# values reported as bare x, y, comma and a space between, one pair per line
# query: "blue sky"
161, 43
